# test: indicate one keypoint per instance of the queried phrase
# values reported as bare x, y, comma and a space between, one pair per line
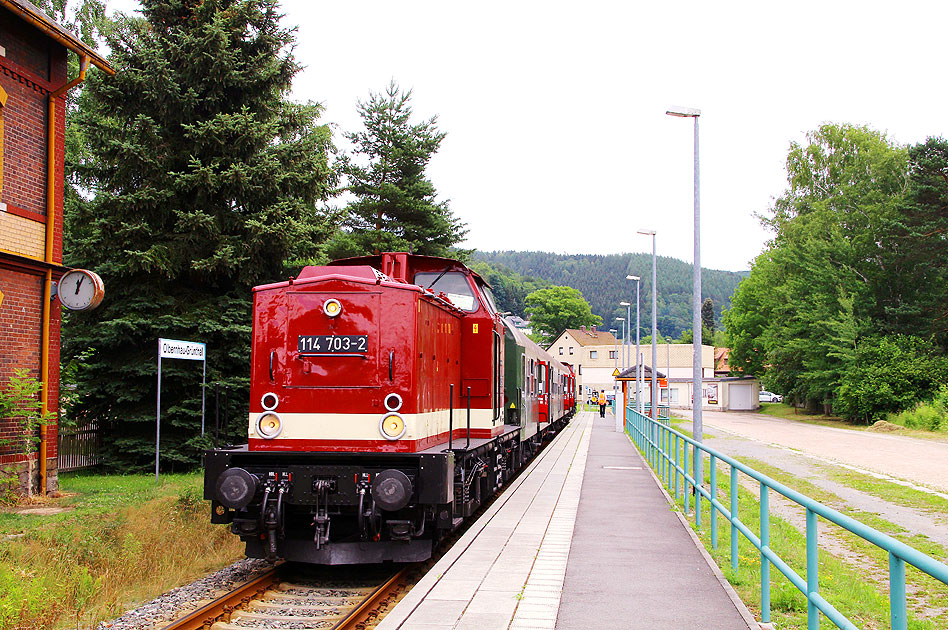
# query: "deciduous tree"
554, 309
857, 257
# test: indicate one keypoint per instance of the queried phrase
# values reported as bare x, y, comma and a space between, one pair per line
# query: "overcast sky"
555, 111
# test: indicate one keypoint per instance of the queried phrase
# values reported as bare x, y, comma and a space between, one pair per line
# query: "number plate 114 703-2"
333, 344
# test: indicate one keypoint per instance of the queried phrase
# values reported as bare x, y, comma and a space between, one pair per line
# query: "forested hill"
602, 281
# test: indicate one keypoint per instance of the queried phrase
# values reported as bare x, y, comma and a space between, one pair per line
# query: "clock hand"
79, 284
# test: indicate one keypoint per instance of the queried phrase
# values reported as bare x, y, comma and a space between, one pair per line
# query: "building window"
613, 354
571, 349
674, 395
561, 350
593, 354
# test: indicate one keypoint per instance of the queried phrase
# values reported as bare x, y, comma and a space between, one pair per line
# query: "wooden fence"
80, 447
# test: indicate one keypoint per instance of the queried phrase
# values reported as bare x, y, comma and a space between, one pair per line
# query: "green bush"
926, 416
888, 375
19, 401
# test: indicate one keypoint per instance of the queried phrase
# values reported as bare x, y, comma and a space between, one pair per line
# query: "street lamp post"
614, 333
654, 391
615, 387
638, 363
626, 361
697, 386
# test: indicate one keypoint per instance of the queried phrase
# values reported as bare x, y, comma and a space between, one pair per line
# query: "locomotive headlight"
269, 401
392, 426
269, 425
332, 307
393, 402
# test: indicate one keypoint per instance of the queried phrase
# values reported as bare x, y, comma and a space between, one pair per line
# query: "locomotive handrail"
660, 445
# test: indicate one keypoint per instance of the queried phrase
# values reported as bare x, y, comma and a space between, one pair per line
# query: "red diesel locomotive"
388, 400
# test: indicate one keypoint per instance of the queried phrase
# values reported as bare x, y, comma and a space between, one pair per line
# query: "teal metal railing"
660, 444
664, 413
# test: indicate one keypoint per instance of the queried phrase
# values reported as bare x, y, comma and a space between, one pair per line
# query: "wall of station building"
31, 66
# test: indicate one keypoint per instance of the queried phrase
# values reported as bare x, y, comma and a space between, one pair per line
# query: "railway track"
300, 599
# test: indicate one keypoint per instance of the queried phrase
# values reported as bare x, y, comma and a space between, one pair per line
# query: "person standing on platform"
602, 404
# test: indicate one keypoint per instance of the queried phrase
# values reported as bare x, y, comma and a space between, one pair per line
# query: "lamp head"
636, 278
683, 112
648, 232
625, 304
620, 319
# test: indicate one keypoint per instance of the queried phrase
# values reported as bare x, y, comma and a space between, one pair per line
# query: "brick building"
33, 84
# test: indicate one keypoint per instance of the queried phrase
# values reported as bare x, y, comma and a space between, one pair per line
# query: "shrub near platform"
123, 540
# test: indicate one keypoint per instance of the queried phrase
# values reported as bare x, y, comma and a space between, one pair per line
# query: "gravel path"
806, 451
172, 604
923, 462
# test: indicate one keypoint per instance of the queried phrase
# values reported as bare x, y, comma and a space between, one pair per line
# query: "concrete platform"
571, 544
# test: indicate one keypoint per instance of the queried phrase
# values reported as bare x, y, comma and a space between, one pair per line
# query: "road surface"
923, 462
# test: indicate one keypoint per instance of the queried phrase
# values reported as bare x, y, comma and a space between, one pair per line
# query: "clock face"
80, 290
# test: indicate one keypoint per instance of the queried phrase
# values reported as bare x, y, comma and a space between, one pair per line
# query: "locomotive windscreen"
453, 284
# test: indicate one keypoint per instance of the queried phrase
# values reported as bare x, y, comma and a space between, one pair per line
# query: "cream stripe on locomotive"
367, 426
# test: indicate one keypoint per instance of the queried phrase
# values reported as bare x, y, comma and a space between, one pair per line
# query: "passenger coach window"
453, 284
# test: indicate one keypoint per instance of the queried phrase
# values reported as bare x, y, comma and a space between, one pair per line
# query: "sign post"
174, 349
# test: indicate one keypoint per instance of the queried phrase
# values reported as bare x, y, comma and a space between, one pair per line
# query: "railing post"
898, 614
666, 476
651, 443
687, 492
764, 561
734, 534
812, 571
677, 480
699, 483
714, 495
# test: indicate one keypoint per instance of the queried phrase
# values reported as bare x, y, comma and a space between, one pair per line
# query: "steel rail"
207, 615
201, 617
362, 611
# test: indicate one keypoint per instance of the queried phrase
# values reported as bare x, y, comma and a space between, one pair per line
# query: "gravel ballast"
174, 603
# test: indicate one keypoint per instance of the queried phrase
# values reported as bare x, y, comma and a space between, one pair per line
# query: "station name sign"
175, 349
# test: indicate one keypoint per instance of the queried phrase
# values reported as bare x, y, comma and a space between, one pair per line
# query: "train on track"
388, 400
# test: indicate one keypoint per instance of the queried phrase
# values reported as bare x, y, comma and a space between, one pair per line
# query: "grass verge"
123, 540
888, 490
856, 584
788, 412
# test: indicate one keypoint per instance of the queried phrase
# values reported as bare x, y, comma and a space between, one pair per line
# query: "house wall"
33, 66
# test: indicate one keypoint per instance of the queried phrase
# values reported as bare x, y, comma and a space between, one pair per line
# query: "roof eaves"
43, 22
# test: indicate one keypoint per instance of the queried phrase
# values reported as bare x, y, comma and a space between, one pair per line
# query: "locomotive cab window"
453, 284
488, 297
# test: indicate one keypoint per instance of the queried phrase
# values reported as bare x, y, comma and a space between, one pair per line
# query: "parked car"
765, 396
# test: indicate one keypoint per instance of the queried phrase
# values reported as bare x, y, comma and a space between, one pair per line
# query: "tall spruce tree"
203, 180
707, 315
395, 206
